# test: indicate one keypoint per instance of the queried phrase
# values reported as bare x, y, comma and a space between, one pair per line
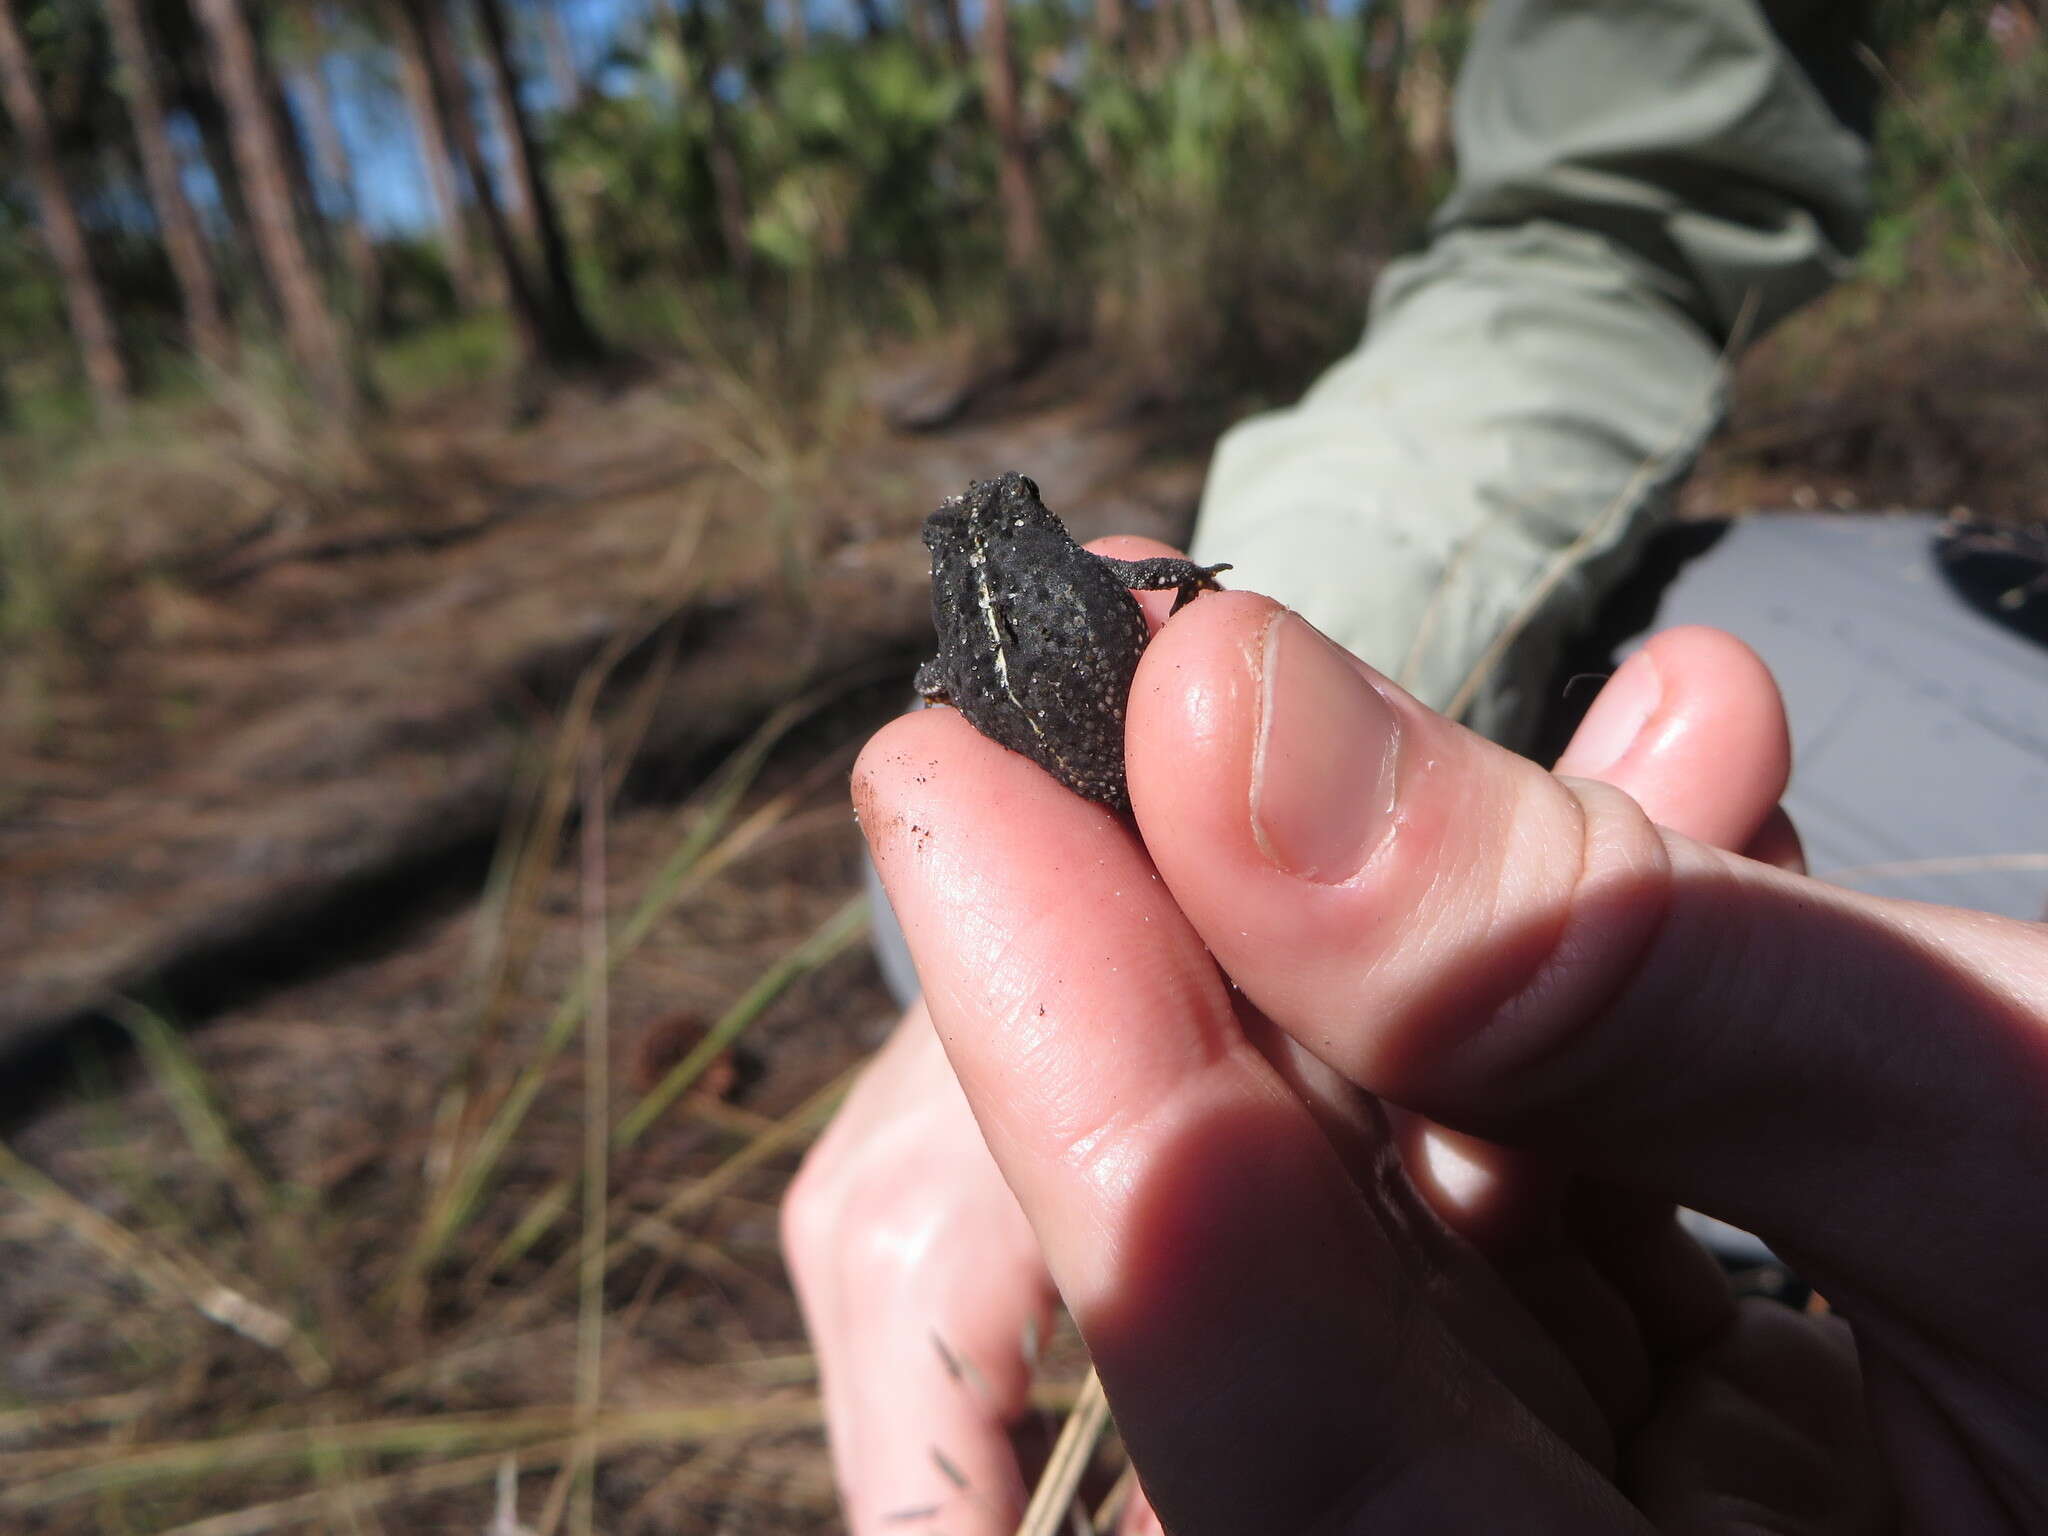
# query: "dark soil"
1861, 405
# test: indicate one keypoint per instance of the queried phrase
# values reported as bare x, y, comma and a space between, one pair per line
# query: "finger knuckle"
809, 1217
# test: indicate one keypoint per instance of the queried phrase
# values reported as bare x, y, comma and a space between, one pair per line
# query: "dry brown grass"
406, 1371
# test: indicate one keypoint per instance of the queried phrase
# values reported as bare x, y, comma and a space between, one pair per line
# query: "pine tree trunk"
1023, 225
332, 155
1230, 28
284, 127
240, 264
554, 37
728, 189
1425, 101
1110, 25
428, 22
571, 339
1198, 21
1168, 40
796, 26
511, 188
189, 73
261, 166
750, 34
956, 30
206, 324
437, 156
1385, 48
92, 323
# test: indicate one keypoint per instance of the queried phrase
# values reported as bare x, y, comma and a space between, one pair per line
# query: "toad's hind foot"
1163, 571
1204, 580
930, 684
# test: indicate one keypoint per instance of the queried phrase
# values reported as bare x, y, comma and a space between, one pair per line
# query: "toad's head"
984, 512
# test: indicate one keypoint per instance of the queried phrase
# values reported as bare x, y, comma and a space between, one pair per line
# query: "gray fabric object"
892, 950
1642, 184
1918, 696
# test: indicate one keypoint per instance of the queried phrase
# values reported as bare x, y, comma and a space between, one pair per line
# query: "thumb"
1862, 1082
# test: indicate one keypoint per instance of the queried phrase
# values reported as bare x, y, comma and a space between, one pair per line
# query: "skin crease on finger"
1690, 728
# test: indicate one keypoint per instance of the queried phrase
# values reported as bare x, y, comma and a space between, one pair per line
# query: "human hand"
1288, 1341
911, 1255
920, 1281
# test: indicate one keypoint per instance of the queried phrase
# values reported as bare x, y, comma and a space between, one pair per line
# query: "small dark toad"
1038, 638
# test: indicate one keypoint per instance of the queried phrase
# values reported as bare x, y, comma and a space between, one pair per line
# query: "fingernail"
1323, 774
1616, 719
